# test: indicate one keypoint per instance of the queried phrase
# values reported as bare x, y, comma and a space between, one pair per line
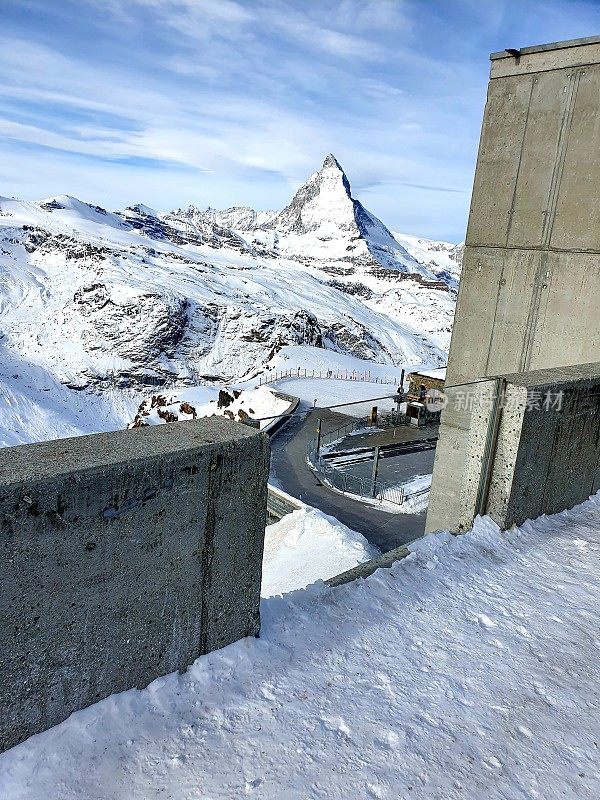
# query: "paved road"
288, 464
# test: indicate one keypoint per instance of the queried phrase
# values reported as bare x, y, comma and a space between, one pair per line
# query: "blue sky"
236, 102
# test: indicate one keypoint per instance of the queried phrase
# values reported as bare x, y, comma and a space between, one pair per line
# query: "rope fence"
338, 375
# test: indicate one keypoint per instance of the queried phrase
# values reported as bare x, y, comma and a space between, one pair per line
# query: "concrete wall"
533, 445
548, 453
124, 556
531, 269
280, 504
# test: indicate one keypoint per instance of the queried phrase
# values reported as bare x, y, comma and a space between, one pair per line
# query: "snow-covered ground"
317, 359
329, 392
308, 546
332, 391
35, 406
416, 494
468, 670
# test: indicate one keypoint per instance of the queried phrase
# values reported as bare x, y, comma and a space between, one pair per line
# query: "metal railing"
391, 419
351, 484
337, 434
347, 483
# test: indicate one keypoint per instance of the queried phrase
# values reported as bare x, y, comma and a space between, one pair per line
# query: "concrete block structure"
530, 283
124, 556
533, 445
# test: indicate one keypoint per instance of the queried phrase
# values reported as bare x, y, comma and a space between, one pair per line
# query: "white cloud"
247, 97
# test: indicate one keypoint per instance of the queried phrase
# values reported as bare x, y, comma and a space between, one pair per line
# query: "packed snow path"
469, 670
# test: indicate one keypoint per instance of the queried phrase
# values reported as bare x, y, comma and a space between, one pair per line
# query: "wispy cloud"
237, 101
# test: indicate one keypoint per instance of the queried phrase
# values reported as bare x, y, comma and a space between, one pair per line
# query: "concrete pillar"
124, 556
531, 270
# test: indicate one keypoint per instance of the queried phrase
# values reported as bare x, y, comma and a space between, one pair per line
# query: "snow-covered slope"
468, 671
139, 298
237, 218
260, 405
441, 258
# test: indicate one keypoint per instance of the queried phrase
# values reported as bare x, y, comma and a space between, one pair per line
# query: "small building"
425, 396
421, 383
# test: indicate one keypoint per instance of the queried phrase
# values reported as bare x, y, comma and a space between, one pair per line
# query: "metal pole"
375, 471
318, 436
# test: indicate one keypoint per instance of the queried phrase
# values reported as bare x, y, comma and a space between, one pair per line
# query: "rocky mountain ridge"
141, 298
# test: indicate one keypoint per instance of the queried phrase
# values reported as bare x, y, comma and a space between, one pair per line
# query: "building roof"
439, 374
540, 48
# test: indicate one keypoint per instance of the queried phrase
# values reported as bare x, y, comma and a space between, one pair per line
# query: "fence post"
373, 420
375, 471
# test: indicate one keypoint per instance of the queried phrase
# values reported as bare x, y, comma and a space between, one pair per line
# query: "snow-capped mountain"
239, 218
325, 222
441, 258
137, 297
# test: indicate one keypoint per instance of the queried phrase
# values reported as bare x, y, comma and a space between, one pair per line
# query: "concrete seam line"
206, 559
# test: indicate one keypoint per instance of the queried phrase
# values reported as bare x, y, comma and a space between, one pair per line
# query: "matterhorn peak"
331, 161
325, 199
332, 224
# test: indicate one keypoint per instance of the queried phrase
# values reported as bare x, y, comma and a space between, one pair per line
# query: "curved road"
288, 465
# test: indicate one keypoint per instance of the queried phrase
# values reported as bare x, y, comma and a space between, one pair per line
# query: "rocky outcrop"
239, 218
142, 328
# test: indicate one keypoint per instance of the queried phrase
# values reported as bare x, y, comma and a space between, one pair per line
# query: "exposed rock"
167, 416
354, 288
225, 399
186, 408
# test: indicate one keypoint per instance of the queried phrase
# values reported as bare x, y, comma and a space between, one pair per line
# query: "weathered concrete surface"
124, 556
547, 459
542, 456
531, 268
280, 504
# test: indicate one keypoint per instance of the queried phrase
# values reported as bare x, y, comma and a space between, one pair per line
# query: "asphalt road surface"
288, 464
